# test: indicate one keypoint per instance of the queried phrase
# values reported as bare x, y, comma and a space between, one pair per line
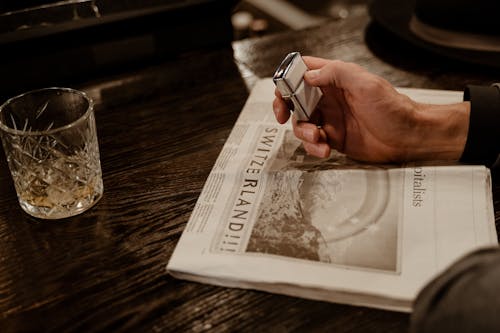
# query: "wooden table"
160, 130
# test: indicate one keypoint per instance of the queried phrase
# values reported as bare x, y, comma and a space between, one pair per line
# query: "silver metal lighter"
289, 79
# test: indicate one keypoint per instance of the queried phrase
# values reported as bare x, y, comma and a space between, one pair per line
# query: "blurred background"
49, 42
258, 17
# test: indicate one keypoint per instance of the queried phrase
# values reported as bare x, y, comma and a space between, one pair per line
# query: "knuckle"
373, 84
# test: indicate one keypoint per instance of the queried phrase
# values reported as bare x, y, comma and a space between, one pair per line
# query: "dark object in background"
463, 298
66, 41
447, 19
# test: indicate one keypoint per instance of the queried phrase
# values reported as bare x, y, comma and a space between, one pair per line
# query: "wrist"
441, 131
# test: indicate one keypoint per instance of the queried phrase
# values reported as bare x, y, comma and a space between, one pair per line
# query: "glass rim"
80, 119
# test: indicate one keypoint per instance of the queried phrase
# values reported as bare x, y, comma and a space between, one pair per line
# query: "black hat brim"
395, 15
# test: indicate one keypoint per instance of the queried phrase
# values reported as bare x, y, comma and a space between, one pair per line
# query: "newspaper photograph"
315, 211
270, 217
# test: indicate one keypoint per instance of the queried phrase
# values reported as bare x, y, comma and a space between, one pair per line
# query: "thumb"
335, 73
315, 78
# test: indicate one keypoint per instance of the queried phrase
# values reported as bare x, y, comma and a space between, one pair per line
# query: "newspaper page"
270, 217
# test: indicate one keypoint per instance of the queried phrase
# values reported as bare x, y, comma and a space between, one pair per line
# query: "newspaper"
272, 218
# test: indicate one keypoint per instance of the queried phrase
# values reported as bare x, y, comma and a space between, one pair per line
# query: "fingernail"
321, 151
312, 74
324, 152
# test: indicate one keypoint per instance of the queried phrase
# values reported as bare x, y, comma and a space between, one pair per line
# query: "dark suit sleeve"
483, 138
464, 298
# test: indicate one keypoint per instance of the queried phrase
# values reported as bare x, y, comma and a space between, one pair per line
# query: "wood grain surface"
161, 128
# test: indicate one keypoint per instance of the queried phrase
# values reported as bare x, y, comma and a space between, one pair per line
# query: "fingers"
315, 62
306, 131
280, 108
320, 149
333, 73
314, 139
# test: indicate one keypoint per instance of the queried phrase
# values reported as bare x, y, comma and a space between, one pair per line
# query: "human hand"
363, 116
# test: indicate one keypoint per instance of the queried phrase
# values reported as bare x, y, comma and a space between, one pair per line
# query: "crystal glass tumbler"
49, 138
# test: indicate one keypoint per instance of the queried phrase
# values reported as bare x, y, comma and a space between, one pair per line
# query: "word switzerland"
248, 191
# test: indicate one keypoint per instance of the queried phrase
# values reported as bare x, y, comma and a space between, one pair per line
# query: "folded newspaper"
272, 218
